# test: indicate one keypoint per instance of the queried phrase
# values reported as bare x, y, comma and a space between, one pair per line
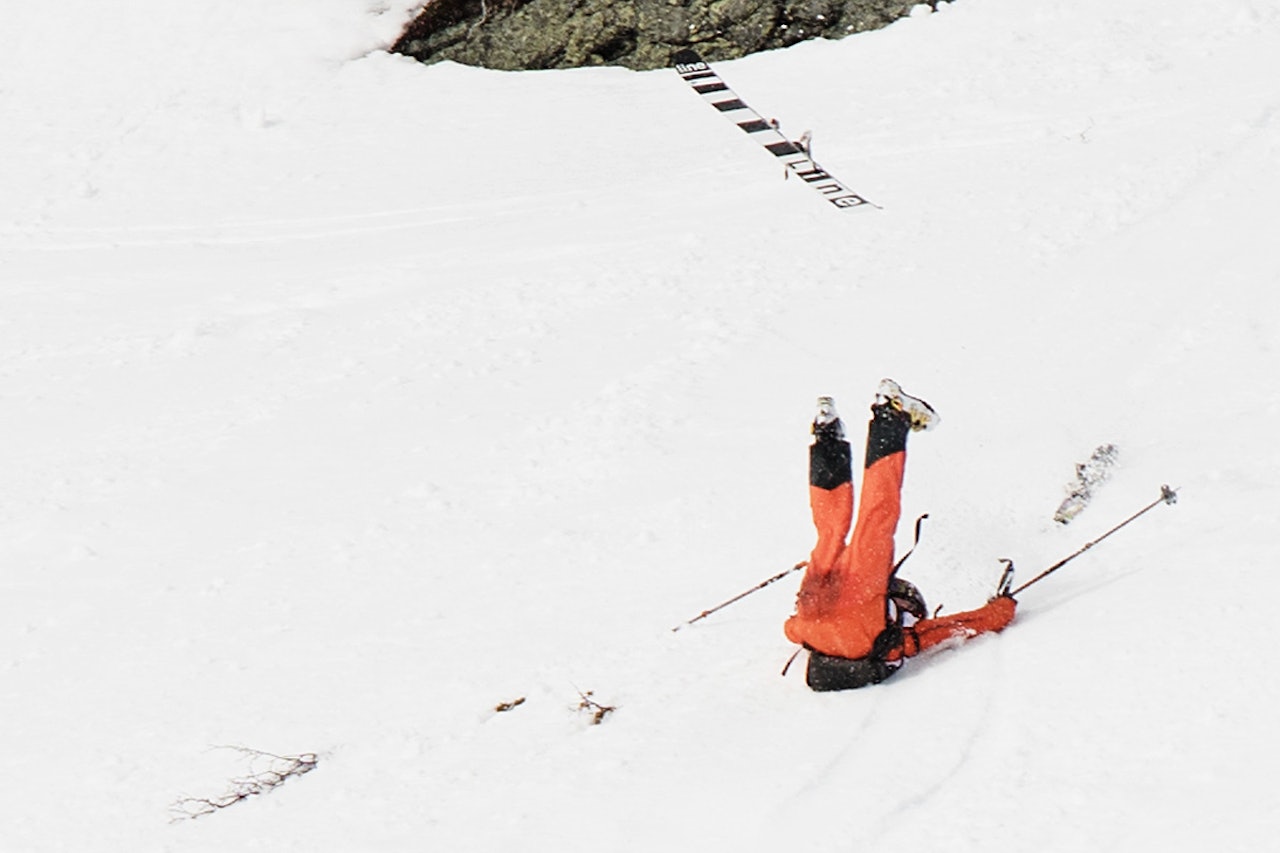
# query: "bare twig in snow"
598, 711
266, 773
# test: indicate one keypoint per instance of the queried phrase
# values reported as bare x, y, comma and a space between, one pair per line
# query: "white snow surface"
344, 398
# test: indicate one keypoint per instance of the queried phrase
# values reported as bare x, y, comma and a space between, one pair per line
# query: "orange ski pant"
842, 605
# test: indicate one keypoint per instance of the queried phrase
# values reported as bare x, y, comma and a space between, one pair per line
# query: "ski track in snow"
284, 230
846, 754
972, 736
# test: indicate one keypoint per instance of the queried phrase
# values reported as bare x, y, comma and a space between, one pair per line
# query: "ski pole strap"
887, 641
912, 549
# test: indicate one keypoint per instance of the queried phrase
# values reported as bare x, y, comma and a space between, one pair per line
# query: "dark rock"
639, 34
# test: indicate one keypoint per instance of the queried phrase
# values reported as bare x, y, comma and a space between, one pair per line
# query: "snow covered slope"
345, 398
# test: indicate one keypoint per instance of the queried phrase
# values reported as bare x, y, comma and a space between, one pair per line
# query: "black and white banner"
717, 93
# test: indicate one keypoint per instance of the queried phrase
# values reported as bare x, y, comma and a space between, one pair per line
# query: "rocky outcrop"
640, 34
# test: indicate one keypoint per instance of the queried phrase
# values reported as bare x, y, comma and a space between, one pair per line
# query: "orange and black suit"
842, 607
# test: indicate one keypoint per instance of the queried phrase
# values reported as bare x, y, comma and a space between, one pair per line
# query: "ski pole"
779, 576
1167, 496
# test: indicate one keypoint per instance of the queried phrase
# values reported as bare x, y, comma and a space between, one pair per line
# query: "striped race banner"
707, 83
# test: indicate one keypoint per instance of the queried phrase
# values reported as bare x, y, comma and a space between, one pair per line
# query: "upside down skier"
857, 619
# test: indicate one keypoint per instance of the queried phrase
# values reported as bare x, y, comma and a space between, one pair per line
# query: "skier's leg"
831, 500
870, 553
830, 487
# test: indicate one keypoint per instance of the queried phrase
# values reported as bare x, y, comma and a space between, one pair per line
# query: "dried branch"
598, 711
266, 773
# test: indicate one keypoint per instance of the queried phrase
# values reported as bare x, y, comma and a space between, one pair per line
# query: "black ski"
717, 93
